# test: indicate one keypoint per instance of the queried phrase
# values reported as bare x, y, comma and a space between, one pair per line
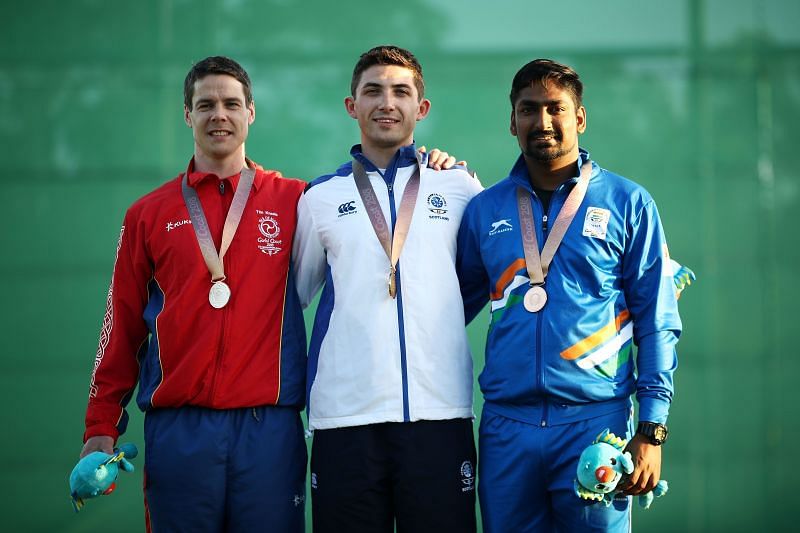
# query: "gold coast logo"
268, 226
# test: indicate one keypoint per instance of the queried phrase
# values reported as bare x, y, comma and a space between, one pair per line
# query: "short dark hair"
545, 71
216, 65
388, 55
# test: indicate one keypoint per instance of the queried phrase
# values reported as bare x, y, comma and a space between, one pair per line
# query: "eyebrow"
527, 101
225, 100
373, 84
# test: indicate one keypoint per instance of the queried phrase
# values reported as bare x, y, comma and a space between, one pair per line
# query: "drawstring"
255, 415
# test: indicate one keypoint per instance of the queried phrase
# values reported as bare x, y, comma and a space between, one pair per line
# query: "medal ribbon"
394, 246
538, 265
200, 224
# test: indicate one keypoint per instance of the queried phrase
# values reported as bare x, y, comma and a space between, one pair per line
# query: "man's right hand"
99, 443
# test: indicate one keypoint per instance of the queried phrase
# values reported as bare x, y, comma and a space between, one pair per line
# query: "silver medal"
219, 294
535, 299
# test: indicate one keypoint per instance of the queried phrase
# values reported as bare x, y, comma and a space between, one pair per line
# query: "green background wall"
698, 100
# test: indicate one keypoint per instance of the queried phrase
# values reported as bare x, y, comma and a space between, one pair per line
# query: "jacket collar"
405, 156
519, 172
197, 177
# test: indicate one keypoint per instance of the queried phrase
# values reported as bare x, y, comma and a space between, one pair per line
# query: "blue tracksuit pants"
526, 474
236, 470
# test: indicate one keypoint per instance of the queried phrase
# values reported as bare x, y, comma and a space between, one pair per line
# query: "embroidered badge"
501, 226
467, 476
268, 226
596, 222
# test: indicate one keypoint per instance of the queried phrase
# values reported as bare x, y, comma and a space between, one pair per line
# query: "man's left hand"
439, 160
646, 466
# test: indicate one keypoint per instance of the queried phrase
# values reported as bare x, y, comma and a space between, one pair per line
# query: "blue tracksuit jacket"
609, 286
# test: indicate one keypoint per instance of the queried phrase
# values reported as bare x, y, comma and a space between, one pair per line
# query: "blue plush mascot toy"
96, 473
603, 465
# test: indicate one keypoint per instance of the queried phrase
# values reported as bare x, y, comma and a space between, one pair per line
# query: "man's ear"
424, 109
350, 106
252, 109
513, 127
186, 118
581, 119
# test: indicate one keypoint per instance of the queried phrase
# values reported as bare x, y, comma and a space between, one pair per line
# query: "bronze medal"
392, 283
535, 299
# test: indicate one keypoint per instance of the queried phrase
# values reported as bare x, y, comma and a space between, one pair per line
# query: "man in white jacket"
390, 372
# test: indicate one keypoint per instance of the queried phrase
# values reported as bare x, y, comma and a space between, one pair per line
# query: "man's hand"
646, 466
100, 443
439, 160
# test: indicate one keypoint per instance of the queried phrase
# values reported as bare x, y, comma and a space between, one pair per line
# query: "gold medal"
219, 294
535, 299
392, 283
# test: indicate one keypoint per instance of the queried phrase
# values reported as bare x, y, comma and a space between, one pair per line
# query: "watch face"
660, 433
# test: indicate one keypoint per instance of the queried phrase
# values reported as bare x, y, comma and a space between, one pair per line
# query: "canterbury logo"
347, 207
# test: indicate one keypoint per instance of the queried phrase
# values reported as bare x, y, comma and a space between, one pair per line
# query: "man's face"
219, 116
387, 106
546, 123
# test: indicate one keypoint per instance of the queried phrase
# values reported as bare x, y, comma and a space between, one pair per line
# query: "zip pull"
221, 187
544, 223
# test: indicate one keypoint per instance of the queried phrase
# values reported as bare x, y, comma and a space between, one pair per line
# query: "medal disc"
535, 299
392, 284
219, 294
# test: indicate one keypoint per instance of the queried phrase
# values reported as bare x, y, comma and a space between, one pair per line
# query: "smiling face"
546, 123
219, 117
387, 106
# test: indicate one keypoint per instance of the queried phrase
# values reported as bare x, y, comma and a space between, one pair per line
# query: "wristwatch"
656, 433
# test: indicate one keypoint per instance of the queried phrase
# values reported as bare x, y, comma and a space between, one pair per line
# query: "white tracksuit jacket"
372, 358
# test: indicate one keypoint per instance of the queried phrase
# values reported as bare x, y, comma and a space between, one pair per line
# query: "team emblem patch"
467, 476
596, 222
269, 228
437, 204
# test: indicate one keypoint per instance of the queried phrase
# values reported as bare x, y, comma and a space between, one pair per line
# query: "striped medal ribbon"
392, 246
220, 292
537, 265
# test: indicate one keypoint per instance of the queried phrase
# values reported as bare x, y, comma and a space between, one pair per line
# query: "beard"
539, 146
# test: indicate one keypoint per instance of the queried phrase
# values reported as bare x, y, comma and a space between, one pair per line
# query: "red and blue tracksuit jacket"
160, 331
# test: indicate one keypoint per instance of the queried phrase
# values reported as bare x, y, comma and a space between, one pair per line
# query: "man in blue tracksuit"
559, 359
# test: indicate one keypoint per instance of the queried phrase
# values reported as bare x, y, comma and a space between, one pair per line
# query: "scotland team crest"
437, 204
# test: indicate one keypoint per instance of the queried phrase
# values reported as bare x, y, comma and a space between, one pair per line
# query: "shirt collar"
197, 177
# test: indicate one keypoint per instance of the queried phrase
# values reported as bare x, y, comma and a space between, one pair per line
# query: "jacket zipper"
399, 303
224, 310
539, 359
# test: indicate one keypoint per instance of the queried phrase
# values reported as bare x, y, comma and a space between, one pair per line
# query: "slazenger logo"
467, 476
178, 223
268, 227
347, 208
501, 226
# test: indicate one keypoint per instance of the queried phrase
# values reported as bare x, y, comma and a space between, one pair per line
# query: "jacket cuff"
653, 410
101, 430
